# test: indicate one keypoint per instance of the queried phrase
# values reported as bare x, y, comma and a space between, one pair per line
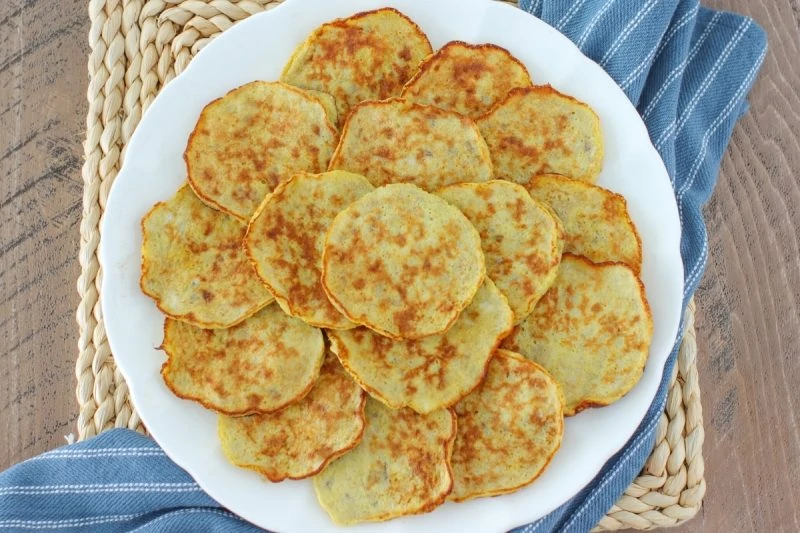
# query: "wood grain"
748, 303
42, 114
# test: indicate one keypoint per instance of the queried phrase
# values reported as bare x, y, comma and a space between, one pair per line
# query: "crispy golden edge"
467, 121
325, 462
514, 355
425, 65
586, 185
426, 507
549, 90
337, 347
602, 402
188, 318
201, 120
208, 405
338, 305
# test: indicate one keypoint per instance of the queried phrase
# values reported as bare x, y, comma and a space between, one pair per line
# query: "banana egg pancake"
258, 366
482, 73
299, 440
193, 264
591, 332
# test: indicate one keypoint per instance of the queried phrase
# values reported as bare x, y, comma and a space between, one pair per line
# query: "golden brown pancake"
433, 372
251, 139
368, 56
538, 130
522, 240
395, 141
400, 467
591, 332
193, 264
509, 429
258, 366
466, 78
596, 220
286, 236
402, 262
298, 441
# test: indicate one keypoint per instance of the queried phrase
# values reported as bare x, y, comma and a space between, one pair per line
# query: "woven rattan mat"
137, 47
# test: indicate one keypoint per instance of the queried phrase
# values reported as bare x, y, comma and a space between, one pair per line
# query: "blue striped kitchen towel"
686, 68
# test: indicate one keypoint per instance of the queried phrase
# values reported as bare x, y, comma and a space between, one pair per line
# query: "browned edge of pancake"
545, 89
637, 267
201, 119
207, 405
156, 298
424, 66
509, 490
339, 347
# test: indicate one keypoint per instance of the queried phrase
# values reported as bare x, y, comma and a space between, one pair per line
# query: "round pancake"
538, 130
286, 236
368, 56
591, 332
596, 221
509, 429
521, 239
259, 366
298, 441
402, 262
433, 372
251, 139
400, 467
483, 73
193, 264
395, 141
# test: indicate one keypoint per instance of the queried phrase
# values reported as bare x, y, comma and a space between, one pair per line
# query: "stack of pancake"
391, 270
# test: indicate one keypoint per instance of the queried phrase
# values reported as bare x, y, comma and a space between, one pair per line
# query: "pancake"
298, 441
328, 102
394, 141
482, 73
193, 264
591, 332
286, 236
521, 239
538, 130
509, 429
400, 467
251, 139
259, 366
433, 372
368, 56
402, 262
596, 221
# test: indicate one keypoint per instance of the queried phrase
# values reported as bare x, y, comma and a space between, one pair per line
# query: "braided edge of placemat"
137, 47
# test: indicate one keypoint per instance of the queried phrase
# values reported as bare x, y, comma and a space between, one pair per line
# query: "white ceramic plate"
257, 49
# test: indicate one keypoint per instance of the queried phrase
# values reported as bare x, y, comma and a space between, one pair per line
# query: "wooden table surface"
748, 303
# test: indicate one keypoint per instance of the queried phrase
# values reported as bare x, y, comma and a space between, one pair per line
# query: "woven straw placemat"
137, 47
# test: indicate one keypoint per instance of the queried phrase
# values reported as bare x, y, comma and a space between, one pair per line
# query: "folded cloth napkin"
686, 68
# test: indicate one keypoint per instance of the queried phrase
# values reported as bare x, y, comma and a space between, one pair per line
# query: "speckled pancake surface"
402, 262
433, 372
395, 141
258, 366
522, 240
596, 221
591, 332
251, 139
400, 467
466, 78
538, 130
193, 264
509, 429
298, 441
286, 236
368, 56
